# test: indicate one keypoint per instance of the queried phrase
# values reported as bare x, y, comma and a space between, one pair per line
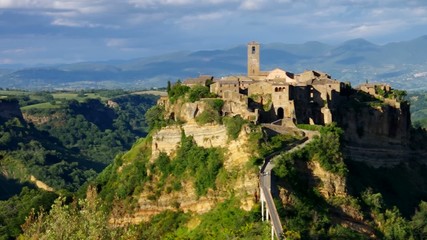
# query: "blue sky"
63, 31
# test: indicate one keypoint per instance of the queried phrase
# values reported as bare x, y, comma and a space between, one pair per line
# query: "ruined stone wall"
221, 87
260, 88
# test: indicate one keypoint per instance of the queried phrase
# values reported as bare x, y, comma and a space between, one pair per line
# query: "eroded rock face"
183, 111
40, 120
377, 126
329, 184
379, 135
239, 180
41, 184
167, 139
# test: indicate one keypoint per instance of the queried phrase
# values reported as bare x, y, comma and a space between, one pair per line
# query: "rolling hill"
401, 64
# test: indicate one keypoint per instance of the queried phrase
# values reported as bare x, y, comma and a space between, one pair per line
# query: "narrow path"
265, 183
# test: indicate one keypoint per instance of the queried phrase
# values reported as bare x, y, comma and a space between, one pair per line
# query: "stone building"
308, 97
201, 80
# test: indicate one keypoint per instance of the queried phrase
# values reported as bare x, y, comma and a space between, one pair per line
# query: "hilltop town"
311, 97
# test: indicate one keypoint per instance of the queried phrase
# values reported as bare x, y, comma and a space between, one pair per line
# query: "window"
253, 49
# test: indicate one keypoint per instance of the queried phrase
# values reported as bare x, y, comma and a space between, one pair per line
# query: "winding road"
265, 184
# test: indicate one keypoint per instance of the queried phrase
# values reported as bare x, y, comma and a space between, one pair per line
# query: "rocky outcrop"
329, 184
167, 139
41, 119
40, 184
244, 186
384, 125
236, 180
182, 111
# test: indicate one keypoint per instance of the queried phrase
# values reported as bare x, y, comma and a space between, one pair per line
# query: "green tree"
419, 221
154, 117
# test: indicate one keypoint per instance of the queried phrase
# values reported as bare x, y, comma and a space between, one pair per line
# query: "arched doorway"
280, 113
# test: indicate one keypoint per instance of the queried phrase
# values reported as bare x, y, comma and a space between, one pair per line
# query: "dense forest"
63, 140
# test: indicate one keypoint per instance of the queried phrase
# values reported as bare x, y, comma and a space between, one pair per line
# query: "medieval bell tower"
253, 59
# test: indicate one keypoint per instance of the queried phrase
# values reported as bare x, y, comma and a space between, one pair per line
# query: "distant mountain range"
402, 64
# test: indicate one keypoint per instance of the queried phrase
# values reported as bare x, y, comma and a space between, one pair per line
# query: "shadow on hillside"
403, 186
10, 187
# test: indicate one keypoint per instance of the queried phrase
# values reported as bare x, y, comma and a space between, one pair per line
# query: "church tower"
253, 59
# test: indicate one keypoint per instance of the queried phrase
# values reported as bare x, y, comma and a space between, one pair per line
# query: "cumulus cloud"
129, 24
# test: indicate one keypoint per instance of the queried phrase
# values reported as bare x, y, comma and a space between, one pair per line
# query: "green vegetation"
154, 117
211, 113
198, 92
228, 221
191, 161
234, 126
418, 102
391, 225
25, 151
309, 127
96, 131
177, 91
394, 93
67, 145
45, 105
419, 223
82, 219
14, 211
113, 183
86, 219
309, 214
261, 144
81, 135
325, 149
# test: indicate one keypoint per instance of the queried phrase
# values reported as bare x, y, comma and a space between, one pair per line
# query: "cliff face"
41, 119
167, 139
382, 125
377, 134
236, 178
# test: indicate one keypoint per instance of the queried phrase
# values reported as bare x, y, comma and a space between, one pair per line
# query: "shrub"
197, 92
212, 112
233, 126
327, 150
177, 91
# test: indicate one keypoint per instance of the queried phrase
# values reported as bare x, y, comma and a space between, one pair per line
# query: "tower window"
253, 49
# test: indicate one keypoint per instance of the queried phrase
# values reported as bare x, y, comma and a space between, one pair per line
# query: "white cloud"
252, 5
76, 23
116, 42
6, 61
189, 22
